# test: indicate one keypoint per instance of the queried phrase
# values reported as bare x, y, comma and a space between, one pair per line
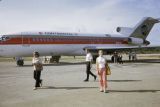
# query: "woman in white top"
101, 71
38, 67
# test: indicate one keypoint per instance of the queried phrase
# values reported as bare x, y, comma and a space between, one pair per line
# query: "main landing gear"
54, 59
19, 61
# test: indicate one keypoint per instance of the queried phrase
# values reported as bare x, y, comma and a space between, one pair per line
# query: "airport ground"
130, 85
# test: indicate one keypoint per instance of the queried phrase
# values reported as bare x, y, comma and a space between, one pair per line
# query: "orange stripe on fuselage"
66, 40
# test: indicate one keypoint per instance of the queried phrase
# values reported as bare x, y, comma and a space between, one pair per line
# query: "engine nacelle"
119, 29
135, 41
124, 30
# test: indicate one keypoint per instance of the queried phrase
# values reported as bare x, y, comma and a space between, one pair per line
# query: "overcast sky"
87, 16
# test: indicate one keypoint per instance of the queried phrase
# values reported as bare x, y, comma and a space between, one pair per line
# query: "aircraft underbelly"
46, 50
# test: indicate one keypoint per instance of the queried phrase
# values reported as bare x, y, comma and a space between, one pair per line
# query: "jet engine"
124, 30
138, 41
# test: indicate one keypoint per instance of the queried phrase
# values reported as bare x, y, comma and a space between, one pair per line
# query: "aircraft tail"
141, 30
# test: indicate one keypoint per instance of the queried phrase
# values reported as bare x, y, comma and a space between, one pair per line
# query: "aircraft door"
25, 40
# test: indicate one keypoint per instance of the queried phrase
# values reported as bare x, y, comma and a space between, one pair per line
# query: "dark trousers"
88, 70
37, 76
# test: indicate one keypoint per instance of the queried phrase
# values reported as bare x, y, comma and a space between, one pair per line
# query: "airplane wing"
111, 50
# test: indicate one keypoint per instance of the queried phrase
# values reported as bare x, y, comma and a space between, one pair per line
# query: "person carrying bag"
102, 71
38, 67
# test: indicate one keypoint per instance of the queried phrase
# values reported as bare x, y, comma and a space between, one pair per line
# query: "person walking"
89, 59
38, 67
101, 71
120, 59
130, 56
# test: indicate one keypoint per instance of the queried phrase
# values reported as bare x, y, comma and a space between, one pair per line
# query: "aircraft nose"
1, 50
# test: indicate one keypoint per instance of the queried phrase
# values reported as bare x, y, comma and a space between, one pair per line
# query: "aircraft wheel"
20, 62
55, 59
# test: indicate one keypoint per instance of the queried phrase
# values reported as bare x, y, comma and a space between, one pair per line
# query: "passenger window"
44, 39
48, 39
33, 39
41, 39
37, 39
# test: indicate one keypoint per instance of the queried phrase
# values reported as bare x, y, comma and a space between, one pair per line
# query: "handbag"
108, 70
39, 67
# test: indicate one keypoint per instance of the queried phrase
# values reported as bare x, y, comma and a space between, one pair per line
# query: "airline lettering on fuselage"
57, 33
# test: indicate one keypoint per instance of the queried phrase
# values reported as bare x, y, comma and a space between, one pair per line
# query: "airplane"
73, 44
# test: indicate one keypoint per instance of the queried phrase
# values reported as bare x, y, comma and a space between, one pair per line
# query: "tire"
20, 62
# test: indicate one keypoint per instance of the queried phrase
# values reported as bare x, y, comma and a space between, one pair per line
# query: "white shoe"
41, 83
34, 88
101, 90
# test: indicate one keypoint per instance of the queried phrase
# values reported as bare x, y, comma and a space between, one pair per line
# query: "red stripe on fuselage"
66, 40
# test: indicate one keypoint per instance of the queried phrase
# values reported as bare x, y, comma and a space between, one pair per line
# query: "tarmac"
129, 85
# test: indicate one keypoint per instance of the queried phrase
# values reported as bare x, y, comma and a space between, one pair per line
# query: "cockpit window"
4, 38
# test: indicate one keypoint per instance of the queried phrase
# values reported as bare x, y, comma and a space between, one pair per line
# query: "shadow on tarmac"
67, 88
124, 80
131, 91
109, 91
120, 81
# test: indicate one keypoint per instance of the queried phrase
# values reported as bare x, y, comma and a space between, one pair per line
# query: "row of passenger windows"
42, 39
59, 39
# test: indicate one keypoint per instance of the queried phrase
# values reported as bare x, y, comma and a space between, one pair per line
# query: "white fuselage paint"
49, 50
24, 44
